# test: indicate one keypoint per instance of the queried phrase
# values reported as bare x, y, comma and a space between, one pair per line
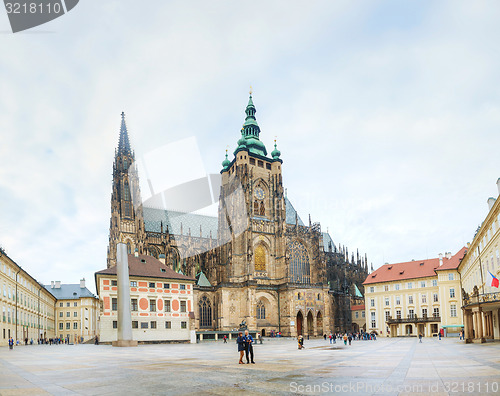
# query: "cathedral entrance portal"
319, 324
310, 324
300, 319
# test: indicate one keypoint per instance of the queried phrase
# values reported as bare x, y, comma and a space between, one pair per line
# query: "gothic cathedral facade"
256, 263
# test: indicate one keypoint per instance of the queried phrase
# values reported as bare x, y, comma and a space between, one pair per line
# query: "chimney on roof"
491, 202
498, 185
57, 285
136, 252
161, 257
440, 259
448, 255
51, 284
82, 283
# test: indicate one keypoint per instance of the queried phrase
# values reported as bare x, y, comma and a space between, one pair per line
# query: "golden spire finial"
251, 91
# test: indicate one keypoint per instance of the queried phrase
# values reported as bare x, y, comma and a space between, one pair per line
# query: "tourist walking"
300, 342
420, 338
345, 339
11, 343
225, 339
241, 346
349, 338
249, 347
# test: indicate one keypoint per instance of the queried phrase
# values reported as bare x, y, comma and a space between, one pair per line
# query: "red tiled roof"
360, 307
454, 261
147, 267
413, 269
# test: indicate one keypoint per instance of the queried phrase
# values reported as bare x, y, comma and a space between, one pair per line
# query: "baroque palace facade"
481, 299
255, 264
415, 297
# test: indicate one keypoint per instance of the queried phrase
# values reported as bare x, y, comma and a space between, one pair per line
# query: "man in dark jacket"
248, 347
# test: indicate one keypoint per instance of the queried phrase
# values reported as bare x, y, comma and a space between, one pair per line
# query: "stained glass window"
175, 259
205, 308
262, 209
260, 258
126, 191
299, 263
261, 310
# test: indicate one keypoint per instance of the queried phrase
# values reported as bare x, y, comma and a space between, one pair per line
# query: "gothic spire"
124, 143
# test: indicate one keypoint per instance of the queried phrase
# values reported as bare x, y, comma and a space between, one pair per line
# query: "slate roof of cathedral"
147, 267
153, 217
290, 213
69, 292
413, 269
326, 240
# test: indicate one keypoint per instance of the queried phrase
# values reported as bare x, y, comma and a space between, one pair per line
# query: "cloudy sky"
387, 115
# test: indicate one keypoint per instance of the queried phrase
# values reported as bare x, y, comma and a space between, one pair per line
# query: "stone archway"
319, 324
300, 321
310, 324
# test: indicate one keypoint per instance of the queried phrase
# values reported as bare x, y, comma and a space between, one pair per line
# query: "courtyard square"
394, 366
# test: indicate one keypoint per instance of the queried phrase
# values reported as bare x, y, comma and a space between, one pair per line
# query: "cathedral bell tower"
257, 252
127, 221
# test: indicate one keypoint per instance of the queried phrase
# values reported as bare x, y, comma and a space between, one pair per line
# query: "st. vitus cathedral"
256, 263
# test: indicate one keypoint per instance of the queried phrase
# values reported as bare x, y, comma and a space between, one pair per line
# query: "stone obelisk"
123, 284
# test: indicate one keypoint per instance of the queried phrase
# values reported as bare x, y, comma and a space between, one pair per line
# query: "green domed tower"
250, 133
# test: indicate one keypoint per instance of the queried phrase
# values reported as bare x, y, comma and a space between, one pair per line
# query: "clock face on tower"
259, 193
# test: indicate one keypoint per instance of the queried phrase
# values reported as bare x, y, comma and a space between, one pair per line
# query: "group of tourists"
40, 341
245, 345
349, 337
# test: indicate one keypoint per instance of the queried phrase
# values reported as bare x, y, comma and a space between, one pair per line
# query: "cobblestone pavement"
399, 366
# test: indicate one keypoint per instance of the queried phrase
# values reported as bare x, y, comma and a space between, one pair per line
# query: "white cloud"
386, 116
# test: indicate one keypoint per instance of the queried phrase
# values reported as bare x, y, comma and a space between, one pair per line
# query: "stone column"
123, 284
466, 326
480, 334
471, 325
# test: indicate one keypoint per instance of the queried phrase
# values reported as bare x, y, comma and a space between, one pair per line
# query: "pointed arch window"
125, 164
175, 259
261, 310
299, 263
260, 258
205, 308
126, 191
153, 252
256, 207
129, 248
126, 209
262, 209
